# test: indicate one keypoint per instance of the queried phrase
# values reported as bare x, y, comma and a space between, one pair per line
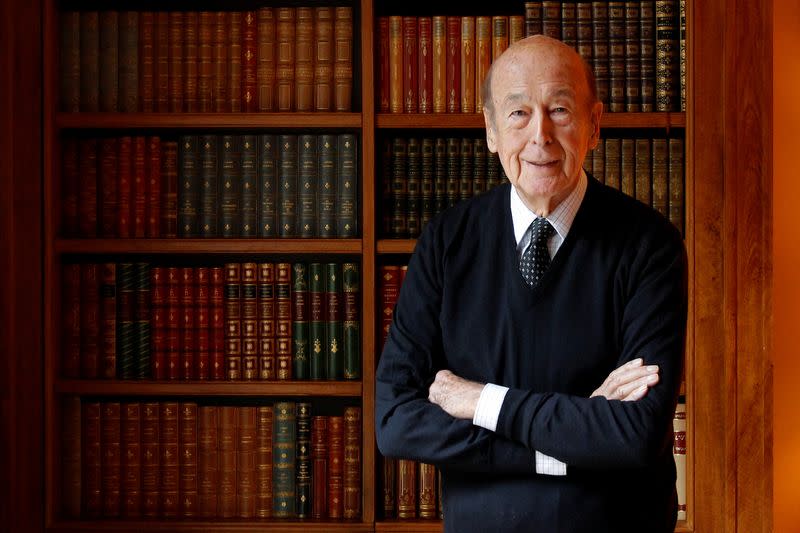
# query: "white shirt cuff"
549, 466
488, 409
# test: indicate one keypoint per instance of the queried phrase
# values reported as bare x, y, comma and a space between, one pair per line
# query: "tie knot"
541, 230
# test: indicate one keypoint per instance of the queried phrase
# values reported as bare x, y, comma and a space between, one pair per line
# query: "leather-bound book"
91, 461
191, 22
453, 170
69, 73
220, 28
208, 207
162, 62
151, 459
628, 168
188, 333
679, 453
499, 36
533, 18
127, 363
90, 320
70, 407
426, 182
676, 187
205, 70
249, 296
248, 206
465, 167
158, 323
643, 169
283, 460
187, 453
406, 489
267, 176
317, 335
174, 320
190, 186
613, 163
399, 187
304, 59
413, 191
427, 491
90, 61
300, 369
71, 320
647, 57
390, 289
131, 455
516, 28
287, 185
263, 494
70, 176
347, 187
410, 64
108, 187
335, 467
141, 325
385, 172
327, 154
226, 468
600, 49
233, 321
176, 61
439, 44
343, 59
351, 324
467, 65
234, 60
129, 61
308, 177
660, 176
453, 60
333, 321
583, 15
439, 175
492, 170
110, 461
682, 53
633, 74
478, 166
283, 332
87, 191
246, 463
569, 23
303, 460
168, 450
230, 194
599, 161
389, 480
383, 65
285, 64
425, 53
207, 461
616, 55
139, 187
153, 185
396, 72
483, 57
169, 189
147, 67
216, 323
265, 69
667, 56
202, 305
249, 62
551, 18
108, 321
109, 61
319, 468
352, 462
266, 322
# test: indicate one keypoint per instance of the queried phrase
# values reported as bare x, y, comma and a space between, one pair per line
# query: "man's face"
543, 123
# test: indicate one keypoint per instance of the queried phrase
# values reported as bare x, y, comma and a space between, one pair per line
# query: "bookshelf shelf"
396, 246
250, 121
435, 526
475, 121
208, 246
208, 388
227, 526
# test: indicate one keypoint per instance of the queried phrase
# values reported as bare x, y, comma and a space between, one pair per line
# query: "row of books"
637, 48
243, 321
154, 459
269, 59
231, 186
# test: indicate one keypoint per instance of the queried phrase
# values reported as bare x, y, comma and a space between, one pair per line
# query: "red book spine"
453, 58
87, 192
249, 63
176, 61
217, 323
168, 448
151, 459
108, 331
161, 89
352, 462
187, 358
131, 460
124, 187
187, 454
396, 53
425, 65
284, 323
191, 61
169, 189
110, 461
173, 323
202, 330
207, 462
319, 472
71, 456
335, 467
266, 321
139, 186
71, 317
69, 187
90, 320
226, 446
233, 321
249, 328
246, 463
263, 495
383, 62
205, 75
219, 61
108, 187
390, 289
153, 188
158, 323
147, 60
91, 460
234, 61
410, 65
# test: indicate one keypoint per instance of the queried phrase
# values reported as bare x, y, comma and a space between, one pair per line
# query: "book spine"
266, 322
202, 305
169, 472
70, 61
467, 67
308, 172
383, 62
191, 62
158, 326
667, 56
147, 67
478, 166
425, 74
71, 457
317, 334
516, 28
453, 61
643, 171
676, 187
413, 188
110, 462
533, 18
633, 74
660, 176
410, 65
303, 461
465, 175
616, 55
151, 459
90, 61
335, 467
153, 187
583, 15
327, 151
387, 200
207, 461
109, 60
287, 185
249, 298
249, 62
267, 214
613, 163
300, 362
233, 321
283, 461
205, 71
427, 491
399, 187
628, 168
70, 177
141, 327
246, 463
679, 453
304, 59
347, 187
234, 60
283, 334
352, 462
226, 472
647, 58
91, 457
426, 182
389, 479
319, 469
129, 61
263, 495
90, 320
569, 24
208, 193
483, 57
493, 170
682, 54
599, 161
453, 170
188, 337
285, 30
406, 488
131, 456
343, 58
390, 289
162, 61
439, 64
323, 58
174, 323
499, 36
216, 324
169, 189
71, 320
333, 321
176, 61
351, 325
220, 28
108, 321
265, 70
439, 175
190, 190
187, 453
139, 187
87, 192
551, 18
396, 73
230, 186
600, 50
248, 206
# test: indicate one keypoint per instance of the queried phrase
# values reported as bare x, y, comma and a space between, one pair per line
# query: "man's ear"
491, 141
596, 114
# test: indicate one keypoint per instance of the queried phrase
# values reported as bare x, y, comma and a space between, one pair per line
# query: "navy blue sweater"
615, 291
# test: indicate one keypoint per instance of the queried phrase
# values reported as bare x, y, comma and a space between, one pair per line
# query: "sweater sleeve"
600, 433
407, 424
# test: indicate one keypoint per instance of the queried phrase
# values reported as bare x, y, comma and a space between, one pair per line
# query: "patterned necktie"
536, 258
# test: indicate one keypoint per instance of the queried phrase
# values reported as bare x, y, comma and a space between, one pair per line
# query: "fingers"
636, 390
626, 382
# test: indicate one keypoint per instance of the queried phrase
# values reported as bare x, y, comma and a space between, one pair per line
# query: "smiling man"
536, 350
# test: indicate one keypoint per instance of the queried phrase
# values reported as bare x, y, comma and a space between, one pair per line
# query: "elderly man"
536, 350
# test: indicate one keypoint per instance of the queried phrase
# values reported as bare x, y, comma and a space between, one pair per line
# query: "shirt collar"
561, 218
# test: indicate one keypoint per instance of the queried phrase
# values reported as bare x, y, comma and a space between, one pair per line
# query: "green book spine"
307, 192
129, 61
142, 320
189, 192
287, 185
333, 321
427, 183
267, 175
643, 166
351, 325
248, 206
453, 170
465, 173
109, 60
300, 321
230, 185
316, 334
676, 187
208, 186
303, 458
347, 187
399, 187
479, 167
326, 197
413, 192
90, 61
126, 307
283, 460
628, 168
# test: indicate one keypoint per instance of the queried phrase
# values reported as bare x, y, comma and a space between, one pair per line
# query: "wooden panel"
207, 121
208, 388
396, 246
473, 121
208, 246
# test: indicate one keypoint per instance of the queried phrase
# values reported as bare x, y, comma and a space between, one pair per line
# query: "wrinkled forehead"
535, 67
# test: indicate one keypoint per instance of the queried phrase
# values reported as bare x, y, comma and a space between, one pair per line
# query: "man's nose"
540, 128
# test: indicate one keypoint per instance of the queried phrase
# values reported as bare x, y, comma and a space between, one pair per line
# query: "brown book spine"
191, 22
647, 57
234, 51
188, 339
205, 53
676, 187
176, 61
91, 460
266, 323
131, 453
425, 90
583, 23
202, 280
128, 61
147, 73
153, 188
169, 189
249, 62
628, 168
207, 461
71, 457
304, 59
124, 186
410, 65
216, 323
158, 323
169, 472
343, 59
249, 307
285, 30
319, 469
569, 23
467, 64
220, 27
389, 468
110, 462
551, 18
70, 61
453, 58
600, 49
439, 24
108, 187
109, 60
70, 176
139, 186
71, 320
406, 488
233, 321
383, 64
90, 61
108, 320
633, 74
642, 183
263, 460
283, 335
616, 56
599, 161
396, 64
87, 192
90, 320
613, 163
335, 467
516, 28
174, 320
499, 36
427, 491
483, 57
226, 485
161, 88
187, 452
151, 459
323, 58
660, 176
533, 18
266, 60
352, 462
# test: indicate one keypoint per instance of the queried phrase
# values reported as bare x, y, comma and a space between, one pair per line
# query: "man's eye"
559, 110
518, 113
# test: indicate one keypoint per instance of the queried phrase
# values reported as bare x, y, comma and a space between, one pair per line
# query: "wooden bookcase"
370, 247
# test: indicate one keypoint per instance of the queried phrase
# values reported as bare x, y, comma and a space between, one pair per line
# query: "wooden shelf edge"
396, 246
475, 121
408, 526
233, 526
87, 387
206, 120
207, 246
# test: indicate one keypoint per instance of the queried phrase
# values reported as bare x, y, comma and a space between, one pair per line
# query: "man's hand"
457, 396
628, 382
